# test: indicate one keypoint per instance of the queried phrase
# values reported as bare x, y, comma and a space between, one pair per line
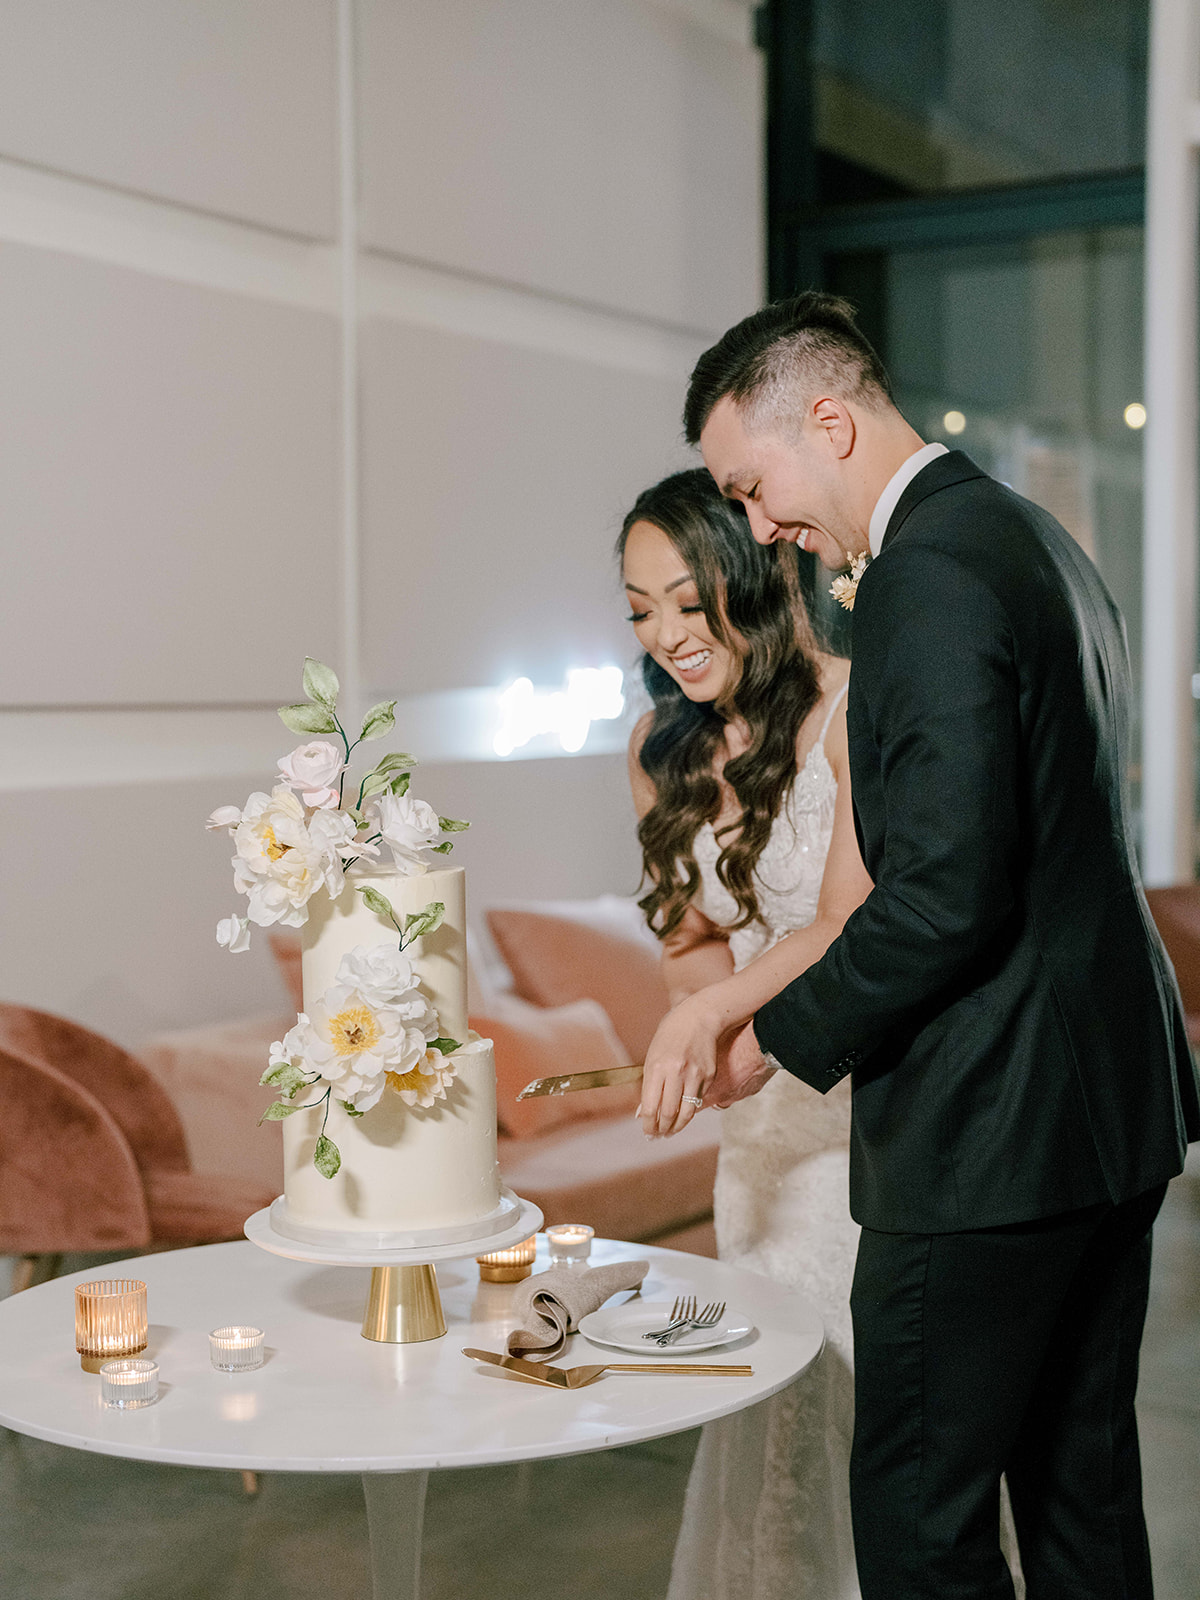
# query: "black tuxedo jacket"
1001, 997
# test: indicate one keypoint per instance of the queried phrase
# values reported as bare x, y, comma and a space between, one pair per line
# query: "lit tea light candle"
570, 1244
508, 1266
110, 1320
236, 1349
129, 1385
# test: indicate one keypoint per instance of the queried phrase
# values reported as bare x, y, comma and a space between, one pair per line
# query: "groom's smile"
777, 480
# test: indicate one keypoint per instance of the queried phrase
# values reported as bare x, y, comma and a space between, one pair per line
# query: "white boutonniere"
845, 586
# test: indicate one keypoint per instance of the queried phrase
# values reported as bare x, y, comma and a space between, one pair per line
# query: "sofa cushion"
532, 1042
212, 1073
285, 947
555, 960
606, 1173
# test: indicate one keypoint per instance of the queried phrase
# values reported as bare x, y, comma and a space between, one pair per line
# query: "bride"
740, 778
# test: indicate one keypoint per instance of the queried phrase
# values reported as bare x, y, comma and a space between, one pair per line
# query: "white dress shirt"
896, 485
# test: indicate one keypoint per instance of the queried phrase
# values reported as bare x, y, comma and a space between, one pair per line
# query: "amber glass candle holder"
508, 1266
110, 1320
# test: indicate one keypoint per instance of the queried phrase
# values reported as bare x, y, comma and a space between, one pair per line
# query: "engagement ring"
693, 1100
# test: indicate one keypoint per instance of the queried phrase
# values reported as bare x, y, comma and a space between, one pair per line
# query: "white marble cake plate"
260, 1231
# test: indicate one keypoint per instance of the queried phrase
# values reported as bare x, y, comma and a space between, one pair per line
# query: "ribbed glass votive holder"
129, 1385
508, 1266
110, 1320
236, 1349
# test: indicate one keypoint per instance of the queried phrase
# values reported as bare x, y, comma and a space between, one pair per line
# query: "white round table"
328, 1400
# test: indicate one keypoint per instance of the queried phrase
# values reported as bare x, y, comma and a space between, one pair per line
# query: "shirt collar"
896, 485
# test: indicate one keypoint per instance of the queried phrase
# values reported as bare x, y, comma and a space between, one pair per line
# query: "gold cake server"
578, 1377
570, 1081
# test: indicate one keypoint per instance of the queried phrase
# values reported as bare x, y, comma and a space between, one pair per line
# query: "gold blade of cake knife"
568, 1082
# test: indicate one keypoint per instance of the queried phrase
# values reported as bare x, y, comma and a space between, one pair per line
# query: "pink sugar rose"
314, 769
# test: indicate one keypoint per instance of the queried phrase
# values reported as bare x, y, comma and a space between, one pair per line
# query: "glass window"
923, 96
1028, 356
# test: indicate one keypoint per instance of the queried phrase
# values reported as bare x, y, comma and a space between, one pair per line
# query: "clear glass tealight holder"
570, 1244
237, 1348
129, 1385
508, 1266
110, 1320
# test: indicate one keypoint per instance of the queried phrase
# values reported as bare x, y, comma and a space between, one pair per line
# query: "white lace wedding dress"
767, 1515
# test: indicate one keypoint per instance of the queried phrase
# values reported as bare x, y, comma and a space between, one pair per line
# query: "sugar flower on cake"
410, 829
233, 934
372, 1022
314, 770
283, 858
427, 1082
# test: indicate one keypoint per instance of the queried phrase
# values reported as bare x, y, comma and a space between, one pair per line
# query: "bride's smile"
667, 617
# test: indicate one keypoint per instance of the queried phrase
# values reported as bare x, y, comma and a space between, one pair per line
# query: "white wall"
341, 327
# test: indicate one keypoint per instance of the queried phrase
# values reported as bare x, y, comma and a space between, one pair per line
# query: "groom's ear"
835, 420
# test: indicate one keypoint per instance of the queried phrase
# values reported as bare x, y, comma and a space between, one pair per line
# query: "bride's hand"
680, 1065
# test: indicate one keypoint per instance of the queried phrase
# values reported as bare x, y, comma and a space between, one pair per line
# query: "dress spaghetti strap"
834, 704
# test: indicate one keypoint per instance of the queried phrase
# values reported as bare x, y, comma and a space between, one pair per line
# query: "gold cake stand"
403, 1305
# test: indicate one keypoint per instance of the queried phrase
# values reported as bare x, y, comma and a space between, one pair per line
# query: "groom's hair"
774, 363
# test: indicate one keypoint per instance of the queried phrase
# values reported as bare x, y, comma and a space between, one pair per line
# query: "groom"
1023, 1087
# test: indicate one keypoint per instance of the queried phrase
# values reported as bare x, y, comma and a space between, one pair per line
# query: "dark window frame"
804, 237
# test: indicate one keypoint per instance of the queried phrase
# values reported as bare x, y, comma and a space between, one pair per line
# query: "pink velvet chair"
92, 1154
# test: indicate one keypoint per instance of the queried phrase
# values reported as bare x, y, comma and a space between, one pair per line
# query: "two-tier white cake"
409, 1174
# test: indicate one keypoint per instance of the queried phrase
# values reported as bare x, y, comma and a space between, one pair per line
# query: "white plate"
622, 1327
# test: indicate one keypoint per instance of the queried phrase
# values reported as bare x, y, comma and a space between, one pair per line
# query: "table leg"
395, 1517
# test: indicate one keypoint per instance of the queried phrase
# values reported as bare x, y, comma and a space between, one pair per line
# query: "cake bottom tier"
407, 1172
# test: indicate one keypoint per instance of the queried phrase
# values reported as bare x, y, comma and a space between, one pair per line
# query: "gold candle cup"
508, 1266
110, 1320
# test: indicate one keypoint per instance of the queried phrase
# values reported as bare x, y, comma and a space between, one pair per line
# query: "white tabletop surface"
329, 1400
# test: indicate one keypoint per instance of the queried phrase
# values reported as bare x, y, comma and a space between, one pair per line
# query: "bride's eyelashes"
637, 616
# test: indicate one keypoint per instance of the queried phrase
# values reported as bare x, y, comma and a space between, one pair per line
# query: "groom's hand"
741, 1069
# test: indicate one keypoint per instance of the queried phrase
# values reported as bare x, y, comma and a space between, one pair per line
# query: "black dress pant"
1008, 1350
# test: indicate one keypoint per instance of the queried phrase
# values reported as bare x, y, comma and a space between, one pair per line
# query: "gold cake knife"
570, 1081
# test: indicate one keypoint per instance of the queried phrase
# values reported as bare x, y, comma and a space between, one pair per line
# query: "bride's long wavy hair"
753, 605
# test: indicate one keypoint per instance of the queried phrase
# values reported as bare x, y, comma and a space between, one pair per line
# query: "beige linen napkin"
549, 1306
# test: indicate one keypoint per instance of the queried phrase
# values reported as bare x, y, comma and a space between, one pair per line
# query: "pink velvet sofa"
560, 987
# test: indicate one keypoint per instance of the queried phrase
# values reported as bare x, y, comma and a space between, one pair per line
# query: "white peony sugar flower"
372, 1024
282, 861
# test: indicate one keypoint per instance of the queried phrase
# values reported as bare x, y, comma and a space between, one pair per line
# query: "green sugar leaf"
442, 849
327, 1158
419, 923
400, 784
374, 783
307, 719
446, 1046
350, 1109
379, 720
449, 825
378, 903
284, 1076
277, 1112
394, 760
320, 683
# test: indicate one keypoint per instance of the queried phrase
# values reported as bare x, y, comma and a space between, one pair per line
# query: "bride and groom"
964, 941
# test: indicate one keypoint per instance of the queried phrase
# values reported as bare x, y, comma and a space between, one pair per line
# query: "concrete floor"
84, 1527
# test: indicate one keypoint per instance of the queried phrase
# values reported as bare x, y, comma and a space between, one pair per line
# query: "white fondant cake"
408, 1173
